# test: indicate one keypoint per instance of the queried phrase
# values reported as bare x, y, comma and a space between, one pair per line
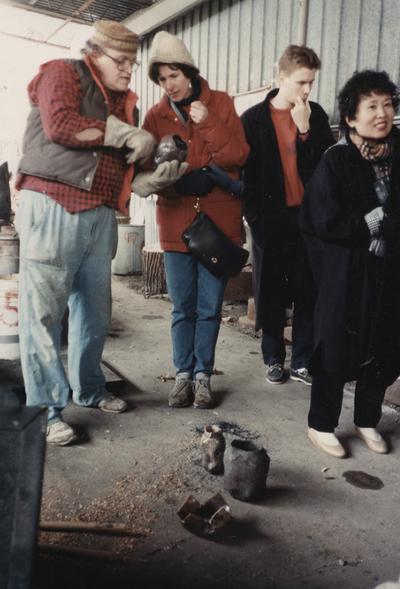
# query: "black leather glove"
195, 183
224, 181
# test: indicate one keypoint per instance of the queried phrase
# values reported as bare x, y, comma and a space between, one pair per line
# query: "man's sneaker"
112, 404
275, 374
203, 396
302, 375
181, 394
60, 433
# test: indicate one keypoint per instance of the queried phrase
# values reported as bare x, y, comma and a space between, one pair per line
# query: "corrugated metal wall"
236, 43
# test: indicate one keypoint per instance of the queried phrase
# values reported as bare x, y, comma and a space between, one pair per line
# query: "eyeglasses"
122, 62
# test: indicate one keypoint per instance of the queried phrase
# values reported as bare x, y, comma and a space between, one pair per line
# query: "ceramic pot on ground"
212, 445
246, 465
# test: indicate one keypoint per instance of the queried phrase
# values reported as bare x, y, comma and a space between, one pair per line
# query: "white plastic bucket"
9, 254
9, 340
128, 259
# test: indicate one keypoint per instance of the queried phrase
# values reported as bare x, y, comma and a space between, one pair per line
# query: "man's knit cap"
111, 34
167, 48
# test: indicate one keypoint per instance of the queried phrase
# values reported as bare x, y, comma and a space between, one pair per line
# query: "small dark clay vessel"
246, 465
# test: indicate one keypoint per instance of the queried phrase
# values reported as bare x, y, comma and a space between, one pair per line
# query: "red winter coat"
219, 139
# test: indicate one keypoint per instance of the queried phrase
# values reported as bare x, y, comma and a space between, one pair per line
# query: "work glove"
163, 176
224, 181
373, 220
378, 246
195, 183
139, 142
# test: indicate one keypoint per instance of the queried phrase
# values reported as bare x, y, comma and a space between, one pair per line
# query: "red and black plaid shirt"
57, 91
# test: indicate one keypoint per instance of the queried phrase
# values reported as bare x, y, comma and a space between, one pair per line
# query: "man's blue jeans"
65, 260
197, 298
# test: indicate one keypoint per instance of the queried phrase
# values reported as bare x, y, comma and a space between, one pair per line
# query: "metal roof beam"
36, 10
157, 15
77, 12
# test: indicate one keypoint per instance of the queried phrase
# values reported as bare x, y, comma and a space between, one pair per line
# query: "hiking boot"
181, 394
112, 404
203, 395
275, 374
302, 375
60, 433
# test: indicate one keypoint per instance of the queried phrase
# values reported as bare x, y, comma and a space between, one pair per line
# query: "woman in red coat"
206, 120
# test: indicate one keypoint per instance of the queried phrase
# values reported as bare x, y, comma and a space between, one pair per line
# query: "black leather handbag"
215, 250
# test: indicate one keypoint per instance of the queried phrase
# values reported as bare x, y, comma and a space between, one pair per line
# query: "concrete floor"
314, 529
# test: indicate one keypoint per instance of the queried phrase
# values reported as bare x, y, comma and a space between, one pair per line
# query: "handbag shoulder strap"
178, 112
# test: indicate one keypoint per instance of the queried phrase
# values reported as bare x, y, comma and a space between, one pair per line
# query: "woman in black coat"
350, 218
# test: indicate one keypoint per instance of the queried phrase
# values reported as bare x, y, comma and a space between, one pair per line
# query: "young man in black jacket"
287, 135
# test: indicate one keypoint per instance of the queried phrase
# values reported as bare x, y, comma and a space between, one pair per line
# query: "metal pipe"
105, 529
303, 22
34, 40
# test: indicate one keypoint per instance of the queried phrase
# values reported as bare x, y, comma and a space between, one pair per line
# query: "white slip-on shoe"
327, 442
372, 439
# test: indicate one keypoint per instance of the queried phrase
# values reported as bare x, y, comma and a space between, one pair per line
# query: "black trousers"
289, 267
327, 396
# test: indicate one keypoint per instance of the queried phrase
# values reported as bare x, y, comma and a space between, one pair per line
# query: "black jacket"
265, 203
357, 313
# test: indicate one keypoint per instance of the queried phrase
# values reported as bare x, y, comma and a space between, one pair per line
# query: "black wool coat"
357, 312
270, 220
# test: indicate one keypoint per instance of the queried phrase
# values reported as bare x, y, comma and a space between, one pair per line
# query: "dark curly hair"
363, 84
187, 70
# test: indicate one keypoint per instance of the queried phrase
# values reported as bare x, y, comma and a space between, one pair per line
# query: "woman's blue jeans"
65, 260
197, 298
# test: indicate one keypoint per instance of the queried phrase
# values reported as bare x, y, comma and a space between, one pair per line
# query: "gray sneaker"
181, 394
301, 375
275, 374
203, 395
112, 404
60, 433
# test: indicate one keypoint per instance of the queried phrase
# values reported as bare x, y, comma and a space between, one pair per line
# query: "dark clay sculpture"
171, 147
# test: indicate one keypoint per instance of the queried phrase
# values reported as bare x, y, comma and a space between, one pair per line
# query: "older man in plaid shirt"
77, 167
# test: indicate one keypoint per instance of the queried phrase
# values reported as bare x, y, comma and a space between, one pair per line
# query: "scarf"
380, 156
196, 87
